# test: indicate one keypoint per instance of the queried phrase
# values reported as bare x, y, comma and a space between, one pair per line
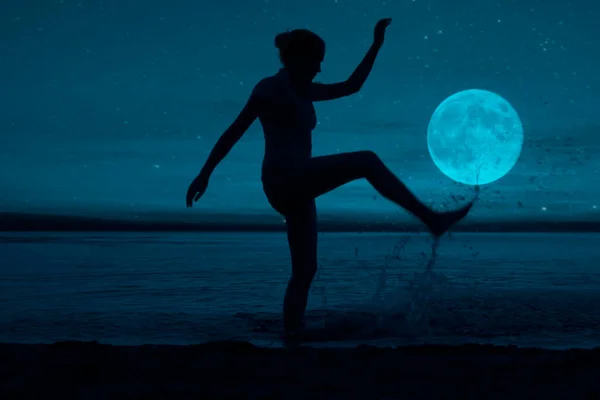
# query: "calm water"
125, 288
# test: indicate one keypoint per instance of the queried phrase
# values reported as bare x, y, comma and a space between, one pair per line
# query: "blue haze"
111, 107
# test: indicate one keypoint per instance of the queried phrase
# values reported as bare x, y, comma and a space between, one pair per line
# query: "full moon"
475, 137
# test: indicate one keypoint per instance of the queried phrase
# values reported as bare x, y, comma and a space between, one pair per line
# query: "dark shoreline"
239, 370
17, 222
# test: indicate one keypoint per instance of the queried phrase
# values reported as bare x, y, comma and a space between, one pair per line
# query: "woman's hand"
380, 30
196, 189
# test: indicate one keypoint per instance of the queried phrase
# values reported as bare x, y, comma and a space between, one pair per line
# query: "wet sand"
239, 370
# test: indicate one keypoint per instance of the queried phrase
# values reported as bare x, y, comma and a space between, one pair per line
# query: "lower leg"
302, 239
393, 189
294, 303
389, 186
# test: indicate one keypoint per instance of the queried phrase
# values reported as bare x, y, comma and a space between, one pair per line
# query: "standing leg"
301, 224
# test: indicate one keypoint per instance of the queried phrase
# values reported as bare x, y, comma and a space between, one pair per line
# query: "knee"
304, 276
368, 158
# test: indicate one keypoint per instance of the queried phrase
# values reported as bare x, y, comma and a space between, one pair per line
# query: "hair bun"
282, 40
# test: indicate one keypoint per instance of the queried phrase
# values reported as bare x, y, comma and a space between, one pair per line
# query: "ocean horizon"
231, 222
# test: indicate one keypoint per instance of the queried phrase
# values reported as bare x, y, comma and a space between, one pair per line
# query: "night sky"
111, 107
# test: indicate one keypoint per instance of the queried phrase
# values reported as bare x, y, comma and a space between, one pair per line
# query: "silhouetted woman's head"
301, 52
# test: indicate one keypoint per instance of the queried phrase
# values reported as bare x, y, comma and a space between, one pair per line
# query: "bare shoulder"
265, 88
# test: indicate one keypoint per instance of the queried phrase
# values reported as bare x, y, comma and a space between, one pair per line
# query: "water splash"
406, 311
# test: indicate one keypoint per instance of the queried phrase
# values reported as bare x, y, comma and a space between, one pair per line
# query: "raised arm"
331, 91
322, 91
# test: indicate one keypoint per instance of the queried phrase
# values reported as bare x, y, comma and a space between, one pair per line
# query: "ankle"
293, 327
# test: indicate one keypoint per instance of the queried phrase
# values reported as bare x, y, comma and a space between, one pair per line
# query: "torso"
287, 121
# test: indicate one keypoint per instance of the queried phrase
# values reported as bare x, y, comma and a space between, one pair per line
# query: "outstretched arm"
231, 135
321, 92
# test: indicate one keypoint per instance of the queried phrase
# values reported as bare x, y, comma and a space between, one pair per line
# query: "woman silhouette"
291, 177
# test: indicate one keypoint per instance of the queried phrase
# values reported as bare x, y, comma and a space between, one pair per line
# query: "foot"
292, 339
443, 221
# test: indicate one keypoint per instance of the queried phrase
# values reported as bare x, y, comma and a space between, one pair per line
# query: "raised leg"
323, 174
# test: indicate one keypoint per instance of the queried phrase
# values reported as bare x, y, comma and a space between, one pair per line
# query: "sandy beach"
240, 370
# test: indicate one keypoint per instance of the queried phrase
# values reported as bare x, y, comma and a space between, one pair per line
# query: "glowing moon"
475, 137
